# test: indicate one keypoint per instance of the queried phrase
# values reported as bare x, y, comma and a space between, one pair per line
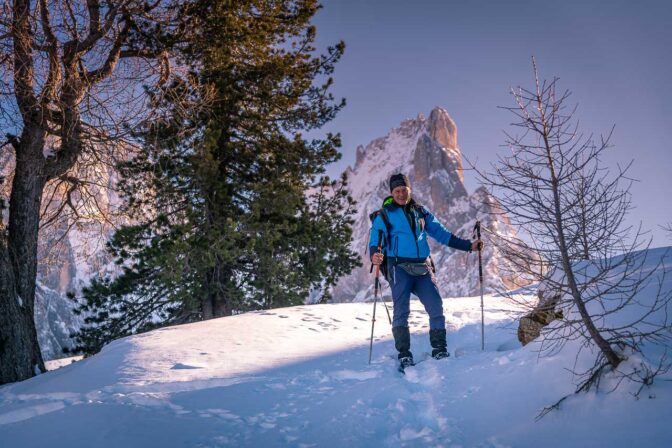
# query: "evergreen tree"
219, 192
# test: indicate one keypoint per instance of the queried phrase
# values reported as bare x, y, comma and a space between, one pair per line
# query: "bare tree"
668, 228
70, 84
592, 269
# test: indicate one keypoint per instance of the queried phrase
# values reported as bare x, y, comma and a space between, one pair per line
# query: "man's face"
401, 195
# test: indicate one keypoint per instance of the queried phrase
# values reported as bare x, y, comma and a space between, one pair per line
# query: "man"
401, 227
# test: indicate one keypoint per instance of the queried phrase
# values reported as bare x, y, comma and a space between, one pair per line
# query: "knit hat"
399, 180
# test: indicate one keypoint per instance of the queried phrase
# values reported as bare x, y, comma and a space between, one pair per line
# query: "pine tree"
225, 223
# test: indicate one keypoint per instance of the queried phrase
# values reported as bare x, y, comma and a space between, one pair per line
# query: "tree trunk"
215, 304
595, 335
207, 311
20, 353
15, 352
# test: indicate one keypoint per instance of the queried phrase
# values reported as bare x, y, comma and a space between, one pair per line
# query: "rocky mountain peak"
426, 150
442, 128
359, 155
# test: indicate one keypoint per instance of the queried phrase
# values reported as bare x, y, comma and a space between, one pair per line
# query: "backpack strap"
388, 226
383, 214
423, 212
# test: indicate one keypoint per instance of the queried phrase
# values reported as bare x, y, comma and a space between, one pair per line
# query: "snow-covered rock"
544, 312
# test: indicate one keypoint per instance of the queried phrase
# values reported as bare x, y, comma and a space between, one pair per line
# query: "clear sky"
404, 57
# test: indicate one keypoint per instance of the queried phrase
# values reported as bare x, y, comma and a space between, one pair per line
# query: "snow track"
299, 377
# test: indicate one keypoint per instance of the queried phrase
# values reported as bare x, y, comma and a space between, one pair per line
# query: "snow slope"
299, 377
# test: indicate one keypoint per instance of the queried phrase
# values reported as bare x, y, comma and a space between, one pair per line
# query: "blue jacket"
411, 224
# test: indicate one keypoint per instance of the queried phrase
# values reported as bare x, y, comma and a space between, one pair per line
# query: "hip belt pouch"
414, 269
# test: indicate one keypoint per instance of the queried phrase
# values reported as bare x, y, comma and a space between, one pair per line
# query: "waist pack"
415, 269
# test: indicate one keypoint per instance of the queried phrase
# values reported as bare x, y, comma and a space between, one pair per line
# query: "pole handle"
477, 232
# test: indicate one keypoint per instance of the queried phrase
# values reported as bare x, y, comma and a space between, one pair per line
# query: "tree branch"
54, 76
23, 61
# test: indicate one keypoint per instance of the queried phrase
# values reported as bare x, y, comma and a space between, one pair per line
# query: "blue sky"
406, 57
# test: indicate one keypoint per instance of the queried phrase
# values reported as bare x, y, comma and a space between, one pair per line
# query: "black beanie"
399, 180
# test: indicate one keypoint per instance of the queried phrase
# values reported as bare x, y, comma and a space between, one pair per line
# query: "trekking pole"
387, 310
477, 231
373, 319
375, 294
380, 250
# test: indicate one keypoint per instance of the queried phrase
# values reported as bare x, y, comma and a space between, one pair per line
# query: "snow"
62, 362
299, 377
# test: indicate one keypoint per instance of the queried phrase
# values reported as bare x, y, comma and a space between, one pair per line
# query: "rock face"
426, 151
68, 255
66, 265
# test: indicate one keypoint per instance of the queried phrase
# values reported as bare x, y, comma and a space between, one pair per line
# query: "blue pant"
423, 286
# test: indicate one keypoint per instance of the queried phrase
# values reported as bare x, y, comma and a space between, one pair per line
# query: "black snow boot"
437, 339
402, 342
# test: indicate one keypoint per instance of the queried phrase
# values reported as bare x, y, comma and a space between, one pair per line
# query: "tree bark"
15, 350
20, 353
215, 304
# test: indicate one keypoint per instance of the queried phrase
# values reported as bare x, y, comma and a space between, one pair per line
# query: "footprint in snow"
180, 366
356, 375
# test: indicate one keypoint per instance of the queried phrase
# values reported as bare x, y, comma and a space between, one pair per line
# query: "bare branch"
23, 61
54, 76
593, 271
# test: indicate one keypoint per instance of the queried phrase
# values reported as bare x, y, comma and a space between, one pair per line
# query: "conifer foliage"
230, 207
